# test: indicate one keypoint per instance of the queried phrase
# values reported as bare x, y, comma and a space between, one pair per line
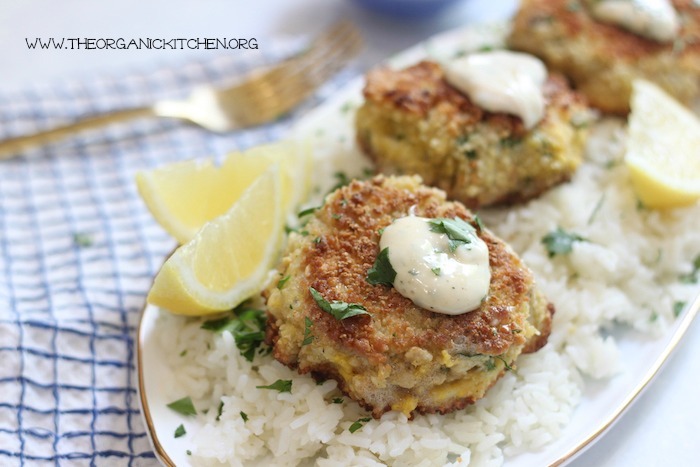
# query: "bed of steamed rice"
626, 273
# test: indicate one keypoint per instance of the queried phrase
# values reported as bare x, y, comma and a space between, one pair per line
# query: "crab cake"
414, 122
603, 59
396, 355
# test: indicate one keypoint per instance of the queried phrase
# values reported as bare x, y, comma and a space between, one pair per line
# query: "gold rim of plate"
585, 442
158, 448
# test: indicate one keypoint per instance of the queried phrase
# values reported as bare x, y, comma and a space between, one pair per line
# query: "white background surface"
663, 426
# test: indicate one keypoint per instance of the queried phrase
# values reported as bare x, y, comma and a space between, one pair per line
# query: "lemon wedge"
663, 148
183, 196
228, 260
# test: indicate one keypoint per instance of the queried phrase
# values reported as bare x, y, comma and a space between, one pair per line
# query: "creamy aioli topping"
654, 19
432, 275
501, 81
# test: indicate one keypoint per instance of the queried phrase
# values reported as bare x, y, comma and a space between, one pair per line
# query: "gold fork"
258, 97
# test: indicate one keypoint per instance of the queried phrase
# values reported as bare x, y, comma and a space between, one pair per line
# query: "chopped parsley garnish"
611, 163
219, 410
436, 271
180, 431
342, 179
281, 385
382, 272
183, 406
338, 400
358, 424
692, 276
247, 325
462, 139
308, 211
244, 416
654, 316
471, 154
509, 142
299, 230
596, 209
458, 231
479, 224
678, 308
490, 362
82, 240
505, 363
189, 453
560, 242
183, 353
317, 240
308, 337
339, 310
282, 281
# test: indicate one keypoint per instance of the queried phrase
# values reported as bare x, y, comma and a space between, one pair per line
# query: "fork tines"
273, 92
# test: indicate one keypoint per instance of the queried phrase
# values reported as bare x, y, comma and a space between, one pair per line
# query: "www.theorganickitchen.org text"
147, 43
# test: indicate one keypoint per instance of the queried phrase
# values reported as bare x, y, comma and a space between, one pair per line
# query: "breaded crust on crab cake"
414, 122
400, 356
603, 59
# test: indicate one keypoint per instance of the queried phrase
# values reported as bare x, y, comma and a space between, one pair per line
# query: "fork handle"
13, 147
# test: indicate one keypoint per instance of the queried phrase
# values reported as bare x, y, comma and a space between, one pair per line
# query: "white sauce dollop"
501, 81
432, 276
654, 19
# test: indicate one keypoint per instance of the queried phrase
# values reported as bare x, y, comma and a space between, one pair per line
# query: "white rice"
625, 273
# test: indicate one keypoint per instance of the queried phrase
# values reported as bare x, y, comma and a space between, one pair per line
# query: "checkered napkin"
78, 251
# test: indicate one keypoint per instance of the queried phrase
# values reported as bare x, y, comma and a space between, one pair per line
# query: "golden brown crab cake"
603, 59
400, 356
414, 122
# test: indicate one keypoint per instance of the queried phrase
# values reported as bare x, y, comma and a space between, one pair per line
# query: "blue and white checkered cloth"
78, 250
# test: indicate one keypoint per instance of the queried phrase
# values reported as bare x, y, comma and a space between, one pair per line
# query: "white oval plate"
601, 404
